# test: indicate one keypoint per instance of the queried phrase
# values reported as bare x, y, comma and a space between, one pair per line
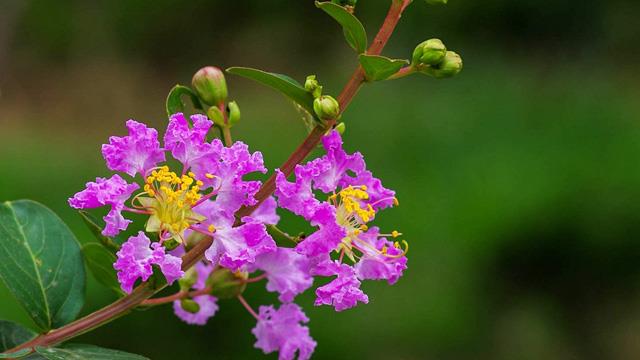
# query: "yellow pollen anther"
211, 228
396, 202
209, 176
395, 234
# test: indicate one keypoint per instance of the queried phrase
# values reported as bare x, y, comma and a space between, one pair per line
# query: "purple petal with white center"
137, 152
281, 330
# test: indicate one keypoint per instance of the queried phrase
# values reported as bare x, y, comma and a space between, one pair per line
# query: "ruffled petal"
281, 330
136, 153
287, 272
343, 292
188, 144
208, 307
380, 260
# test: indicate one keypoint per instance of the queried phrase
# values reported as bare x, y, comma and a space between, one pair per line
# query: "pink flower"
280, 330
136, 153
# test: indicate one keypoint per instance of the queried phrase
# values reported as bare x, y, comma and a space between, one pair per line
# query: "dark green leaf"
174, 99
353, 30
380, 67
286, 85
100, 262
41, 263
82, 352
92, 223
12, 335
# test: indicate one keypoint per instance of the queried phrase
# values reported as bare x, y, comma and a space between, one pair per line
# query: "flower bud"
210, 85
437, 2
226, 284
216, 116
188, 280
234, 113
190, 306
450, 66
430, 52
326, 107
313, 86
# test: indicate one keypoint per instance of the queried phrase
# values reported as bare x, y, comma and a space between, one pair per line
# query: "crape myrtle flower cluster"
189, 187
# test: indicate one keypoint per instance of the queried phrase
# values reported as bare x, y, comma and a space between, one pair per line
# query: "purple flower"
113, 192
343, 292
234, 247
208, 308
265, 213
287, 272
381, 259
187, 144
136, 153
280, 330
135, 260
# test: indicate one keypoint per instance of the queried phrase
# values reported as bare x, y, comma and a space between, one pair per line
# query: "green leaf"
92, 223
353, 30
174, 99
81, 352
19, 354
41, 263
379, 67
100, 262
12, 335
286, 85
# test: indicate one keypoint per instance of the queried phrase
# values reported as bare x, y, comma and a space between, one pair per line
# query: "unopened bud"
451, 65
216, 116
188, 280
210, 85
326, 107
313, 86
340, 128
430, 52
190, 306
437, 2
226, 284
234, 113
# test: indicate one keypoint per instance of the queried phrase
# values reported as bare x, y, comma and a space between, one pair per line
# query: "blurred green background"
518, 180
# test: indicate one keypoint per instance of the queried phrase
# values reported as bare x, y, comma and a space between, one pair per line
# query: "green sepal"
100, 262
354, 32
378, 67
284, 84
111, 243
174, 99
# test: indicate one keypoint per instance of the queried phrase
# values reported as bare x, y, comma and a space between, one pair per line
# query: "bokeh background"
519, 180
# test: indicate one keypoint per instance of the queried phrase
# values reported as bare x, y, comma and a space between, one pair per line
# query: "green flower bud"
190, 306
326, 107
340, 128
313, 86
451, 65
210, 85
430, 52
216, 116
189, 278
437, 2
226, 284
234, 113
